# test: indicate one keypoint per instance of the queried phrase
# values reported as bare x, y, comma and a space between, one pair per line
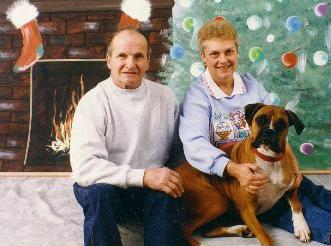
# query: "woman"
212, 118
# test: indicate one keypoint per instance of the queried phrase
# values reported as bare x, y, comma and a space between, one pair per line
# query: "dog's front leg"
301, 229
247, 213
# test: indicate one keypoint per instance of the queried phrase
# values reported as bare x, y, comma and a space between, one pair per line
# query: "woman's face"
221, 59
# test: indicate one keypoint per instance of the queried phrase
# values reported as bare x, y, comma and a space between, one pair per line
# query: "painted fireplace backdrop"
57, 87
70, 29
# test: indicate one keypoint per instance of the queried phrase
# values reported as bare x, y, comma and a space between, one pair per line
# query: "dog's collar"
268, 158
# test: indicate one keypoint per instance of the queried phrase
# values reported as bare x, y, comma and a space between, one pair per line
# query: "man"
121, 137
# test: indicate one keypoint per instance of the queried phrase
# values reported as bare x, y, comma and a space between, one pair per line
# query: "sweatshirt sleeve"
88, 152
194, 132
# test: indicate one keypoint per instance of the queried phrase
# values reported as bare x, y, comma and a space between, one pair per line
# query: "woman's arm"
194, 132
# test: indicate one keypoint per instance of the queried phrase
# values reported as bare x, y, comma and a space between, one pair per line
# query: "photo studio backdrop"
284, 44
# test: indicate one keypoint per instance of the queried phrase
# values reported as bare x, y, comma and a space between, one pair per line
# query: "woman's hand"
249, 175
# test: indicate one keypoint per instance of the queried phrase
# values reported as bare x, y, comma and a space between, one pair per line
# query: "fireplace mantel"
82, 5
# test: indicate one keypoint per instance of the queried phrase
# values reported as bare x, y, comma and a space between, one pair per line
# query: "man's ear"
108, 59
293, 120
149, 57
251, 110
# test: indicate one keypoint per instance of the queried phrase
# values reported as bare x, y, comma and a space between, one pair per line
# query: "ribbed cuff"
135, 177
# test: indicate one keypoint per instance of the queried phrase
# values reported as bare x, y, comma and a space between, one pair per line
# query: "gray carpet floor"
43, 212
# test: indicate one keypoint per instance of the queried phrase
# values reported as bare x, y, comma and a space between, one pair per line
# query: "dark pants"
316, 204
104, 206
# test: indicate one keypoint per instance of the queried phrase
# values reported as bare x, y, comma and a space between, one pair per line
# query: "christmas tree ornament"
188, 24
186, 3
254, 22
321, 9
289, 59
307, 148
293, 23
256, 54
320, 58
23, 16
197, 69
219, 18
176, 52
133, 13
274, 98
270, 38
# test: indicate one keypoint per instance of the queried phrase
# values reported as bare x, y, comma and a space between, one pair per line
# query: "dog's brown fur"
207, 197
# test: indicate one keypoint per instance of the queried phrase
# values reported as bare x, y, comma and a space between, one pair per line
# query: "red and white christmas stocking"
23, 15
134, 12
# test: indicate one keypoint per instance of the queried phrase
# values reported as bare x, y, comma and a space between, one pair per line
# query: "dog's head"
269, 126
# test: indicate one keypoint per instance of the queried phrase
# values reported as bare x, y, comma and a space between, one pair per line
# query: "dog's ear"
294, 120
250, 111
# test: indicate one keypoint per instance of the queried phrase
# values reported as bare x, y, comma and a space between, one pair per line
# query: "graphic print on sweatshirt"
228, 127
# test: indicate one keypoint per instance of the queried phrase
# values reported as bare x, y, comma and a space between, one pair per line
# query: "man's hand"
249, 175
164, 179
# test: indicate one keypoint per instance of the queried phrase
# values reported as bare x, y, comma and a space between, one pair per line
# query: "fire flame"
61, 130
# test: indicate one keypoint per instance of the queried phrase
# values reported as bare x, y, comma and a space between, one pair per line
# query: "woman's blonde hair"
217, 28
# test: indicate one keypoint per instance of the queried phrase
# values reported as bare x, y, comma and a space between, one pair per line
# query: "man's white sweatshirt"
118, 133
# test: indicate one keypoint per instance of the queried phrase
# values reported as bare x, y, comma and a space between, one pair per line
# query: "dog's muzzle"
269, 138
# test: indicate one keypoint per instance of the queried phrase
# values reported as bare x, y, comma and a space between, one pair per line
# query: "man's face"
128, 61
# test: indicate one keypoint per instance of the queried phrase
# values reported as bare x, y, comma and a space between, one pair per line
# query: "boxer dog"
206, 197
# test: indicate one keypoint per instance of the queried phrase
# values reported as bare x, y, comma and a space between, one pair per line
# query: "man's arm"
165, 179
88, 153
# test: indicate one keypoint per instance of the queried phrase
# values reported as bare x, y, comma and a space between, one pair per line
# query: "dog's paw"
246, 232
237, 230
301, 229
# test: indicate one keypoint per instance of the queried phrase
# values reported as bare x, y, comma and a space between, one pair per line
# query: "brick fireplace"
73, 30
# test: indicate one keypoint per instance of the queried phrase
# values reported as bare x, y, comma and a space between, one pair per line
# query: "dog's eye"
262, 120
280, 125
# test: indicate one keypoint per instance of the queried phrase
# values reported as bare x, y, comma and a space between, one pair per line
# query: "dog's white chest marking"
273, 191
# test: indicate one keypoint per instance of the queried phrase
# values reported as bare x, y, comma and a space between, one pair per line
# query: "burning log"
62, 118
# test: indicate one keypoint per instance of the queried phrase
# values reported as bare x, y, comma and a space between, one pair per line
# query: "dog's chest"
275, 189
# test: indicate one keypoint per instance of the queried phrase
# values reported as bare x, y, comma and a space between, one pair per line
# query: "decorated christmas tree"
284, 44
